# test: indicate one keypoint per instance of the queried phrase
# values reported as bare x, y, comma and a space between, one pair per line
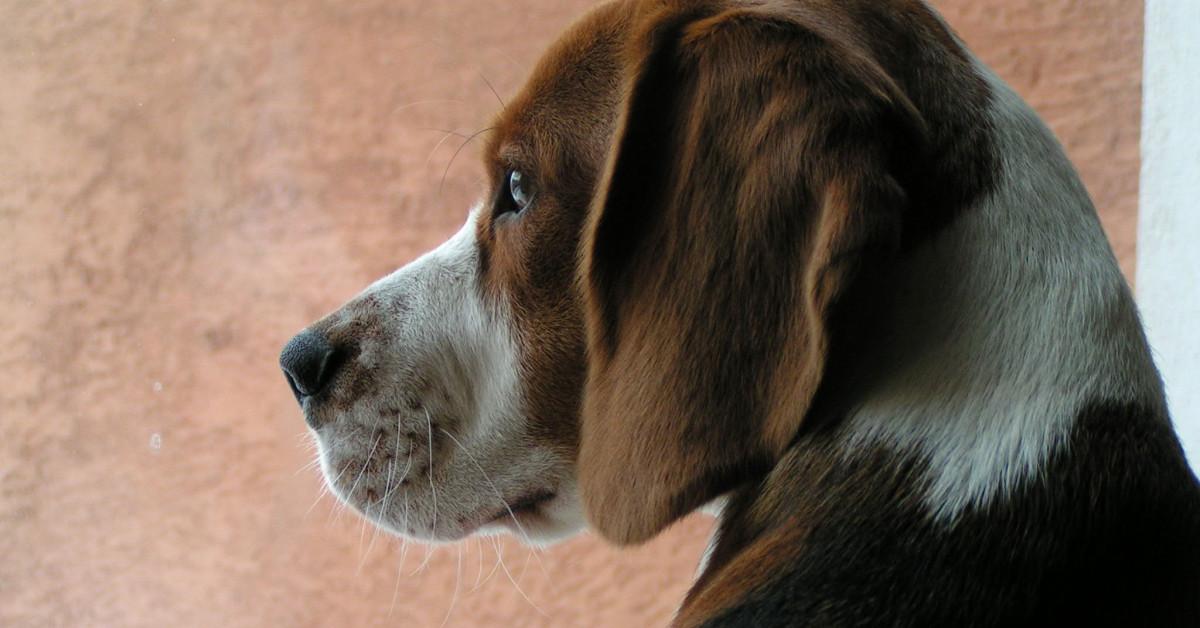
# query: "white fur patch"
1016, 316
445, 389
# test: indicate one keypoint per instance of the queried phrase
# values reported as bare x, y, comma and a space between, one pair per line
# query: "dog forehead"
570, 100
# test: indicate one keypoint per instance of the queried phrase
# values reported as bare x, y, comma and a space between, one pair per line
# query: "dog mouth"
527, 505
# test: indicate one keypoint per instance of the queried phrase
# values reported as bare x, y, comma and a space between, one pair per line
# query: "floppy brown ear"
749, 170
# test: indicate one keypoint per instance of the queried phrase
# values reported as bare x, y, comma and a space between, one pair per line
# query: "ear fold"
749, 169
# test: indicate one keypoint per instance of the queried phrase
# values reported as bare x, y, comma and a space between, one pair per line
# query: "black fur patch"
1108, 535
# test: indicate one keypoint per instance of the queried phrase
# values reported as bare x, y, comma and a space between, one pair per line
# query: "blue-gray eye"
518, 190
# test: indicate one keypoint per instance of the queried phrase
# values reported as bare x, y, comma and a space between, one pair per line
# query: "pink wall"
185, 184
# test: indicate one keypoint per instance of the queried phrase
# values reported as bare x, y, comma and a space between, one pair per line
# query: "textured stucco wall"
184, 184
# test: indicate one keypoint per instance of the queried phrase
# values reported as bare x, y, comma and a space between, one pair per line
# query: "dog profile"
807, 262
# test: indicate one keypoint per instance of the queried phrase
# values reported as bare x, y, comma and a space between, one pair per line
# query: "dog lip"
527, 504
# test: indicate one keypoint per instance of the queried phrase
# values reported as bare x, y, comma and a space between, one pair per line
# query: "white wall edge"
1168, 246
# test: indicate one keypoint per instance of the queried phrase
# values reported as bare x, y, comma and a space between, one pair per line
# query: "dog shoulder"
1105, 536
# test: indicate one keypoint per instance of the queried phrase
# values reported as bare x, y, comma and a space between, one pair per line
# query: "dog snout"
309, 363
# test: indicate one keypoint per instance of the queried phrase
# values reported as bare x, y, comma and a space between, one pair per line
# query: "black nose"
308, 363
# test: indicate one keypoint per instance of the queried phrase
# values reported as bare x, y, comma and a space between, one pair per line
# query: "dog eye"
518, 190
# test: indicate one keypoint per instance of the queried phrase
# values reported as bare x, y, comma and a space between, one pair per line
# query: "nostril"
307, 363
292, 383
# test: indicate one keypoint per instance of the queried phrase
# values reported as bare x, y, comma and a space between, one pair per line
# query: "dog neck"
1000, 329
959, 370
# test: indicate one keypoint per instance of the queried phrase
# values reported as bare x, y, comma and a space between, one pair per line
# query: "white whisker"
320, 494
424, 562
403, 556
479, 576
457, 580
495, 565
381, 504
424, 102
525, 565
490, 483
434, 150
366, 461
387, 490
432, 488
309, 465
518, 587
499, 496
324, 491
362, 533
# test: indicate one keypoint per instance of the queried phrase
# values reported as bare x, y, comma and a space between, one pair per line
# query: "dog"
807, 264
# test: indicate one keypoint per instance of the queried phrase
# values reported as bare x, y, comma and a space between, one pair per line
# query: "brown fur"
562, 128
555, 131
757, 156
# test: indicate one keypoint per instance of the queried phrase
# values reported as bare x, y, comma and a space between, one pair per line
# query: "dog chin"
539, 525
538, 521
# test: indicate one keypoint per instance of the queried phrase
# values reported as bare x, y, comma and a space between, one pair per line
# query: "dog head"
635, 318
